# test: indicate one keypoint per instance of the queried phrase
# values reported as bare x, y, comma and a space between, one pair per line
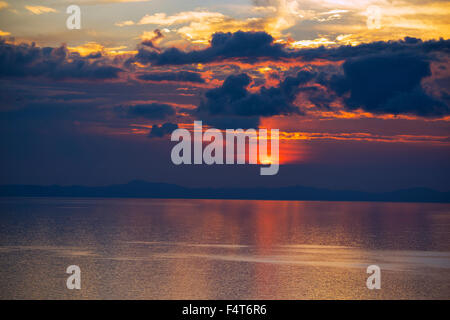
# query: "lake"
222, 249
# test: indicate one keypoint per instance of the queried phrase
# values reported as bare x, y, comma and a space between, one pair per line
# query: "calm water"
222, 249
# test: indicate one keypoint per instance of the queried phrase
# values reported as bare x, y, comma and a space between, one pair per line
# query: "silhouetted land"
143, 189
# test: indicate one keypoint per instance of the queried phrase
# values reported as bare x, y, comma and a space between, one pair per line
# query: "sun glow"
266, 161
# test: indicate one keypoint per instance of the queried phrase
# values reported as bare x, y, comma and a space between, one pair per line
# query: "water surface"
222, 249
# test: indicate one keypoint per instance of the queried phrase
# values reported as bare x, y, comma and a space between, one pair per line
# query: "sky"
359, 90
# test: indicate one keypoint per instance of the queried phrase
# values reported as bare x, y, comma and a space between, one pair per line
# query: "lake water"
222, 249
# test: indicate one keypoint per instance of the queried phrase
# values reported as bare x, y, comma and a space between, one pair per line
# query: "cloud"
380, 77
198, 26
246, 45
254, 46
153, 39
3, 5
320, 20
161, 131
388, 83
124, 23
407, 45
178, 76
233, 100
25, 60
39, 9
182, 17
4, 33
93, 47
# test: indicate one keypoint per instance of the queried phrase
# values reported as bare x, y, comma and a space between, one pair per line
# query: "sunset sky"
360, 90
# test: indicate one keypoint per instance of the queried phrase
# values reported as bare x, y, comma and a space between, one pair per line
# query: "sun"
266, 161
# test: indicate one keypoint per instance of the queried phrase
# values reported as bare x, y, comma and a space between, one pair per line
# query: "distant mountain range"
143, 189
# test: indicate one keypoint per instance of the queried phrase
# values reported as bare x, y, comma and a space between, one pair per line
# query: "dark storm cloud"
233, 98
252, 46
388, 83
147, 111
162, 130
57, 63
180, 76
381, 77
95, 55
407, 45
245, 45
234, 102
320, 97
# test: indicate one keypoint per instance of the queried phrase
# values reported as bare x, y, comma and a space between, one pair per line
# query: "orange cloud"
39, 9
